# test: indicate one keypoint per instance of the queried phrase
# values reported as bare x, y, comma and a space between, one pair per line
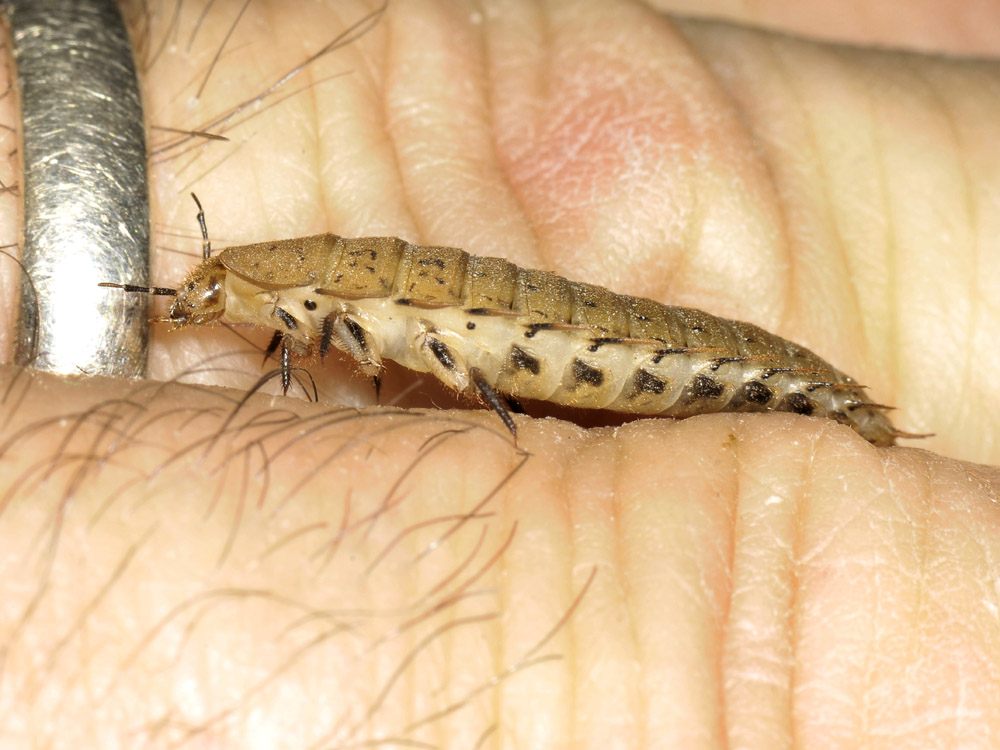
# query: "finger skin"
966, 27
840, 198
329, 576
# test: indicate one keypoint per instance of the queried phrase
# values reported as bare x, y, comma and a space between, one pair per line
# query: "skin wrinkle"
465, 163
324, 157
899, 379
725, 618
604, 674
859, 336
796, 96
617, 535
877, 610
791, 562
870, 299
930, 620
499, 77
891, 372
917, 655
491, 191
918, 26
490, 76
795, 603
939, 101
582, 117
409, 190
692, 32
695, 230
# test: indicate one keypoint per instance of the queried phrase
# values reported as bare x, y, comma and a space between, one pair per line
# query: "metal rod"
86, 204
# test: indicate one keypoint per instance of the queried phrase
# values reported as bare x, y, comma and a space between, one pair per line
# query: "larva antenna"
206, 244
159, 290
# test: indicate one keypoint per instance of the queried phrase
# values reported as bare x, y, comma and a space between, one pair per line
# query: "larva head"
201, 299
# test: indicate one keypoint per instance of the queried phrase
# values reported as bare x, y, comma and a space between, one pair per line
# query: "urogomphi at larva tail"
486, 327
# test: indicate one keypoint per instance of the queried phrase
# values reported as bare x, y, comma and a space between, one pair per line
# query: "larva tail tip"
911, 435
870, 405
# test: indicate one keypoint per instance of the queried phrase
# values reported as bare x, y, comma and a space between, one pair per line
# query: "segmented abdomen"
537, 335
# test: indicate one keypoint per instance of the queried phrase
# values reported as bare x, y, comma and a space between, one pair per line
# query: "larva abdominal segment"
483, 325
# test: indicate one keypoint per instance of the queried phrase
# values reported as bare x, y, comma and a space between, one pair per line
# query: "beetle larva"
484, 325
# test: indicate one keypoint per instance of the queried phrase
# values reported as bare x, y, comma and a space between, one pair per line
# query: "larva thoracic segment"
484, 325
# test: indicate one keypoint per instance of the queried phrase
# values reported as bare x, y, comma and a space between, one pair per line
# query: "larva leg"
326, 336
286, 363
349, 335
272, 347
441, 360
491, 397
358, 344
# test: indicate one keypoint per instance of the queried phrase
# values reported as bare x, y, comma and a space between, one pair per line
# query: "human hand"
316, 577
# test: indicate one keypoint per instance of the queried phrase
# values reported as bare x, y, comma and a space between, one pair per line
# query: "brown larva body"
484, 324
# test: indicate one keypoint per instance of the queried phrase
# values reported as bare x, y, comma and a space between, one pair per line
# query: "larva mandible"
485, 326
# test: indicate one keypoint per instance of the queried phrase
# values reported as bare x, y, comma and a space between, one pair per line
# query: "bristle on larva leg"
493, 399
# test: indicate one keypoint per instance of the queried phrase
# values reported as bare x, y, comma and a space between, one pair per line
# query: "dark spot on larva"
596, 344
470, 325
404, 301
190, 286
285, 318
756, 392
706, 387
646, 382
584, 373
371, 269
478, 311
439, 280
524, 361
432, 262
589, 303
309, 305
535, 328
531, 288
774, 371
800, 404
697, 329
660, 354
338, 278
442, 352
720, 361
